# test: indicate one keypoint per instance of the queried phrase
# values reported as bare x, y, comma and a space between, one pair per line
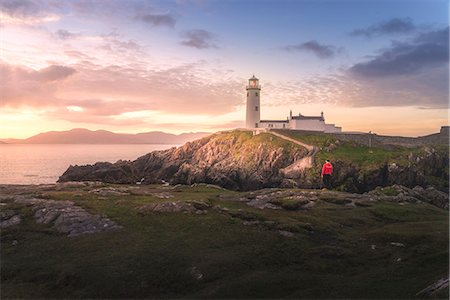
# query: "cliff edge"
239, 160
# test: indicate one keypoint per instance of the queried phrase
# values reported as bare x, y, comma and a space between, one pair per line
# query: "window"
256, 94
256, 108
284, 125
256, 125
247, 94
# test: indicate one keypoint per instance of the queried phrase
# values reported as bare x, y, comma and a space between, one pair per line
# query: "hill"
201, 241
241, 161
85, 136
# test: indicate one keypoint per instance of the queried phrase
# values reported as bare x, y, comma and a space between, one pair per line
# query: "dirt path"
303, 163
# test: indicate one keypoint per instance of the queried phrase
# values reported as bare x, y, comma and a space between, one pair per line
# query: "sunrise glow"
182, 66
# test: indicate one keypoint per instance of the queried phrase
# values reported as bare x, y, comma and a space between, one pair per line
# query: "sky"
182, 65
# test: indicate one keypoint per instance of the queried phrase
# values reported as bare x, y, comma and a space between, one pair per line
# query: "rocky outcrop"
9, 218
289, 199
238, 160
67, 217
197, 207
435, 288
429, 167
235, 160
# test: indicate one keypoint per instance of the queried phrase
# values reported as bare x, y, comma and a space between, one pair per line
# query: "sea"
43, 164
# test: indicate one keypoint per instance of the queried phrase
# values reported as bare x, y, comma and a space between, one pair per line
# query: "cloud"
428, 50
156, 19
65, 34
105, 94
26, 12
390, 27
53, 73
320, 50
21, 85
412, 73
199, 38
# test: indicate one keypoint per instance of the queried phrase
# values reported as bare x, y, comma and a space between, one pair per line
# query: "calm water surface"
36, 164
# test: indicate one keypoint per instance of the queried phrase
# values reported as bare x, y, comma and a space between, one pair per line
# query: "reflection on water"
36, 164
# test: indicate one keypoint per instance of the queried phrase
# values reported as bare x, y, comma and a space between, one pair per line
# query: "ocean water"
37, 164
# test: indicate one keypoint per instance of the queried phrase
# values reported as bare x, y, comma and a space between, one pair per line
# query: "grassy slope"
366, 158
152, 256
361, 155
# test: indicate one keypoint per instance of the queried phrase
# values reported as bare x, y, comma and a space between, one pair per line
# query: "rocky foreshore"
66, 217
100, 239
70, 219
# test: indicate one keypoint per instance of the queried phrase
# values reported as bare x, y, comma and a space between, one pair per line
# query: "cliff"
240, 161
235, 160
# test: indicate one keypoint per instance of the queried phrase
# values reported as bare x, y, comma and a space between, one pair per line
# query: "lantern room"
253, 83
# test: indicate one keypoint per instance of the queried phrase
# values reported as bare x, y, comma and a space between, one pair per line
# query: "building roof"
274, 121
253, 77
301, 117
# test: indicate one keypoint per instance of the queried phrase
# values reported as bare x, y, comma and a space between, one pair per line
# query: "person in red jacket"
327, 171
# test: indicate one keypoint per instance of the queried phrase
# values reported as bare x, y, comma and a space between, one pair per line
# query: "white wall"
253, 108
331, 128
278, 125
312, 125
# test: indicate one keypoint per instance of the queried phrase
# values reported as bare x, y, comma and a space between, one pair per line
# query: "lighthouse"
253, 104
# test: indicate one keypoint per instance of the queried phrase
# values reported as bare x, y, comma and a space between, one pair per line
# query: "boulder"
9, 218
67, 217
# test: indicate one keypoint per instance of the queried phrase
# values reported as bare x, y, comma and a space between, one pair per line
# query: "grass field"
335, 251
362, 155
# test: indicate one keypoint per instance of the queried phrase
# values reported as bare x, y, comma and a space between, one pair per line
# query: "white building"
300, 122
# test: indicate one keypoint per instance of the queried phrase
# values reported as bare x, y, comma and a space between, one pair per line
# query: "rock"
234, 160
250, 223
110, 191
435, 197
286, 233
200, 205
162, 195
238, 160
432, 289
398, 193
9, 218
373, 247
68, 218
197, 207
396, 244
195, 272
262, 202
14, 243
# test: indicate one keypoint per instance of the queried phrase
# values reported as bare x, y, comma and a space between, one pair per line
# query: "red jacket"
327, 169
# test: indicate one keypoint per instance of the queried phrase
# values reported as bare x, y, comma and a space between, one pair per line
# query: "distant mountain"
85, 136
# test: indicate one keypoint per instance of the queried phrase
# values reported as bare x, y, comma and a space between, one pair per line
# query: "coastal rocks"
119, 172
110, 191
9, 218
398, 193
439, 286
297, 199
237, 160
433, 196
67, 218
234, 160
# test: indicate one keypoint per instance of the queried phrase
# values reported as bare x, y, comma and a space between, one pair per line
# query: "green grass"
152, 256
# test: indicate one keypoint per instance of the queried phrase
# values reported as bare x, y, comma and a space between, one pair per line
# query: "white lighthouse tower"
253, 108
